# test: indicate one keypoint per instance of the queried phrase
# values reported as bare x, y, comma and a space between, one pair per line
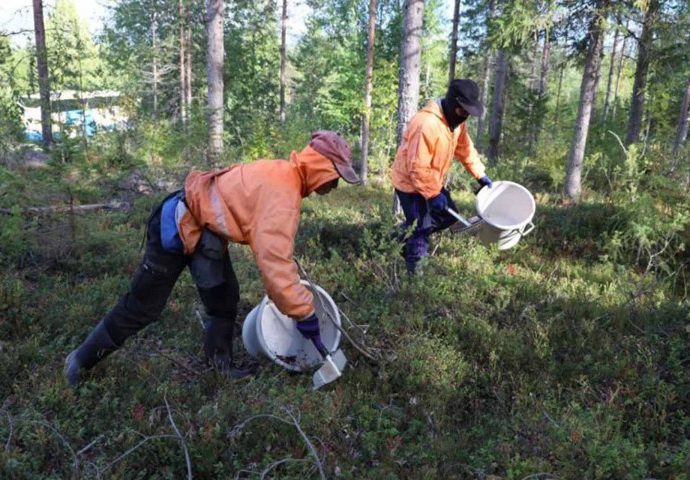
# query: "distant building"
73, 111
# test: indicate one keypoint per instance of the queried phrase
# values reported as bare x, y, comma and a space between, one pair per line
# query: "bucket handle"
530, 226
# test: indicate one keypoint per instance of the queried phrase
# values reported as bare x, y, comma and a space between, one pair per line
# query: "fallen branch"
179, 435
360, 348
294, 421
70, 208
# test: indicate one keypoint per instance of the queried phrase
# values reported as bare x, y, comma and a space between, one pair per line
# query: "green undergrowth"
565, 356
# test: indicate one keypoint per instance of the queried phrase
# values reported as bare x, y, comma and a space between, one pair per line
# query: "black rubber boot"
92, 350
218, 334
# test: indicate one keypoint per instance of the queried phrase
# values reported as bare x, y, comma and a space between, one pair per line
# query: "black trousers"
155, 278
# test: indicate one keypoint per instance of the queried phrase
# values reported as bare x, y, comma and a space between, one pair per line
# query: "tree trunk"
486, 82
498, 104
640, 85
154, 67
214, 68
283, 32
559, 89
183, 68
609, 83
621, 59
486, 75
454, 41
43, 78
410, 64
543, 84
573, 177
683, 120
188, 63
368, 86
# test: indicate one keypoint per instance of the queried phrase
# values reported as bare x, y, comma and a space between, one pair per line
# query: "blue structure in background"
74, 118
102, 114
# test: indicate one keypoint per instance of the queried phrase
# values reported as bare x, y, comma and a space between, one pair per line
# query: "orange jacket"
259, 204
426, 150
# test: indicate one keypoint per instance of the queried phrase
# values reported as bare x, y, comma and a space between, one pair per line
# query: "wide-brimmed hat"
466, 94
335, 148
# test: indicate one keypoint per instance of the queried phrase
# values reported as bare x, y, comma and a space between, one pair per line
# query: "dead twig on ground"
180, 437
294, 421
360, 348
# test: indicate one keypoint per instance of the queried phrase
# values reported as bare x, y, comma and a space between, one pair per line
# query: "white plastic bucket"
507, 209
266, 331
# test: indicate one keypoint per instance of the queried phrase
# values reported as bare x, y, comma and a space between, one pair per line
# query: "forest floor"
565, 357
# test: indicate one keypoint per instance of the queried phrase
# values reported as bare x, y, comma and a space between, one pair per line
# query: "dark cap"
335, 148
466, 94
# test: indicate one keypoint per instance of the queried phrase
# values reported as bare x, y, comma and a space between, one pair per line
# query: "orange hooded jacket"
258, 204
427, 148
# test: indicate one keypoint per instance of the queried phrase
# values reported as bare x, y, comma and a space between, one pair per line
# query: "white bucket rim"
273, 356
480, 200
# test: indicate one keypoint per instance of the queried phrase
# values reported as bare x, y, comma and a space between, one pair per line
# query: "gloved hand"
439, 202
309, 329
485, 181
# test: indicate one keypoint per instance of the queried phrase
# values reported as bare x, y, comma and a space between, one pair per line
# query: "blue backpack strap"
170, 237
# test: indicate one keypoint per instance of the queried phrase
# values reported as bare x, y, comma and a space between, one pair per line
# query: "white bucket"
266, 331
507, 209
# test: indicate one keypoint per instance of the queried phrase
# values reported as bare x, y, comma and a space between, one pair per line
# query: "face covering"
452, 117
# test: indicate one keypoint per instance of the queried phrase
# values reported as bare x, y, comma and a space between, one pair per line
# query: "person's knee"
221, 301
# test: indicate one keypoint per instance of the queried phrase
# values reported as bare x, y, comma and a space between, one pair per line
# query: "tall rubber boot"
218, 334
92, 350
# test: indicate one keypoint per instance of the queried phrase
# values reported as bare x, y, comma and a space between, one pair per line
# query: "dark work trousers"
154, 280
418, 213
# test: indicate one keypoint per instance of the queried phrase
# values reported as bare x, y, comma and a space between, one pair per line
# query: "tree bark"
410, 63
368, 86
43, 77
640, 85
573, 179
619, 70
498, 104
454, 41
543, 84
283, 34
486, 75
559, 89
154, 67
188, 63
609, 83
183, 68
214, 69
486, 82
682, 132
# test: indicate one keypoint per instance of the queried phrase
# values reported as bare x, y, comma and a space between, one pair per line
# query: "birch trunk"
573, 178
543, 83
183, 68
368, 86
682, 132
486, 76
214, 17
640, 85
188, 63
283, 34
410, 64
609, 83
498, 104
43, 77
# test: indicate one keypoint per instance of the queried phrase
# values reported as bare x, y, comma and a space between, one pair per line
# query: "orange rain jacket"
426, 150
258, 204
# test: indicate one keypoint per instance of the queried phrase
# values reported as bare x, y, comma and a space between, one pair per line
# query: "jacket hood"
434, 107
314, 169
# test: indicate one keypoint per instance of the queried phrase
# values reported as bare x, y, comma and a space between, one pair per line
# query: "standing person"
435, 135
257, 204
